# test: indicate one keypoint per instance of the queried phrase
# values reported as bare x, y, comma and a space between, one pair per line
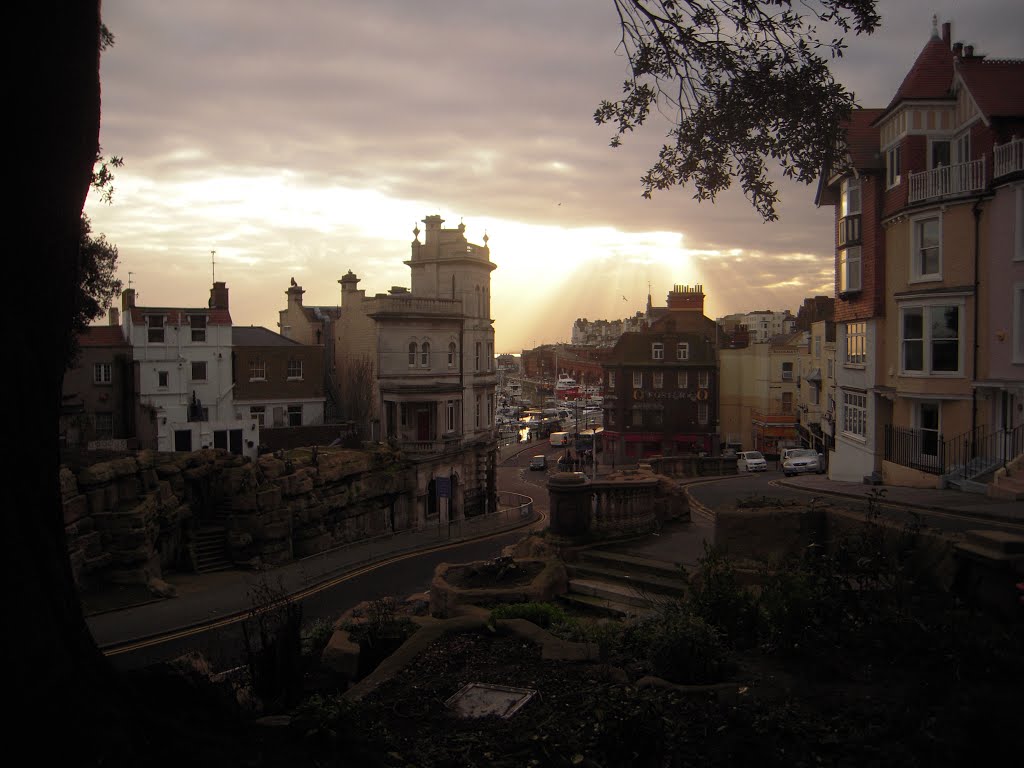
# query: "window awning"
814, 375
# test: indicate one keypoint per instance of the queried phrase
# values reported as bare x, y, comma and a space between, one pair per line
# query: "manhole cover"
483, 699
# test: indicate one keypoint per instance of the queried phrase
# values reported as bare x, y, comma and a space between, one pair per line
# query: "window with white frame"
683, 350
425, 355
849, 197
930, 339
638, 379
703, 379
926, 258
702, 412
892, 166
941, 153
294, 369
257, 369
659, 380
102, 373
155, 329
855, 413
657, 351
412, 353
449, 416
258, 413
850, 269
611, 379
451, 354
198, 324
856, 343
682, 380
1017, 333
787, 371
198, 370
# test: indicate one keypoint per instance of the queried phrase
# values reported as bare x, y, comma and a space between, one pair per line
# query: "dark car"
539, 462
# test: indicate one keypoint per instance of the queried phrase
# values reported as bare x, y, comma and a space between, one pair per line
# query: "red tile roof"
862, 140
930, 77
102, 336
997, 86
177, 316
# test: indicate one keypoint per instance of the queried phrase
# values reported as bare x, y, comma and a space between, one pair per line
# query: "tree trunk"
57, 109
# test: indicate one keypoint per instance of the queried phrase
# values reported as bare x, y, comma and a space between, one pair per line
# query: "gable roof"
995, 85
178, 316
102, 336
862, 138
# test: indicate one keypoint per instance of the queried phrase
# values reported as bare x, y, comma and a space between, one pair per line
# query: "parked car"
796, 461
539, 462
751, 461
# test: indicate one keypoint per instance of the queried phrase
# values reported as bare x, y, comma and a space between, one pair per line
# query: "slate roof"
258, 336
862, 139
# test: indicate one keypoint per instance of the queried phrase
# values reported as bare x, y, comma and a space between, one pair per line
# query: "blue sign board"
444, 487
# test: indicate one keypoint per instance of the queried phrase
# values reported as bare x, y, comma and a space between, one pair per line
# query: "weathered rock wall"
129, 518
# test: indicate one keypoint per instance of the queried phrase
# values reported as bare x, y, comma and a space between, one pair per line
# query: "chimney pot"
958, 49
115, 317
968, 51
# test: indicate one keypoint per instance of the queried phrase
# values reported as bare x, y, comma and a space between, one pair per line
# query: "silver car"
751, 461
800, 460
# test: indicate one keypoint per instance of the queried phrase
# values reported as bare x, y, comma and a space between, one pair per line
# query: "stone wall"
129, 518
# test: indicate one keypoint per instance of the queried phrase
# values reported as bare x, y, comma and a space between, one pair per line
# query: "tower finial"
935, 26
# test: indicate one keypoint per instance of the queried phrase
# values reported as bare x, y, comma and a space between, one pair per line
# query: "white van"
559, 438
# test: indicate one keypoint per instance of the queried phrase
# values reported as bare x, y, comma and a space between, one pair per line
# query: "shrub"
678, 646
719, 599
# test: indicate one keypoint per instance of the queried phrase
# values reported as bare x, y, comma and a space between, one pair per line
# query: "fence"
929, 452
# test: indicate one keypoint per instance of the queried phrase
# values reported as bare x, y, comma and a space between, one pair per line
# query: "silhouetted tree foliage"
98, 283
744, 83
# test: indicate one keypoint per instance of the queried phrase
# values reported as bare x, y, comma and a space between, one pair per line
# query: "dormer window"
155, 329
198, 323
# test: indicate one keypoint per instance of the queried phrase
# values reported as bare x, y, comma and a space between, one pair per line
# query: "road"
716, 493
402, 575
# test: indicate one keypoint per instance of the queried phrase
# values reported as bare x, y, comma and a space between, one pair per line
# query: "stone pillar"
569, 499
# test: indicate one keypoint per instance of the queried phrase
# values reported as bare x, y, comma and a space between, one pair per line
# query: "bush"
544, 615
678, 646
719, 599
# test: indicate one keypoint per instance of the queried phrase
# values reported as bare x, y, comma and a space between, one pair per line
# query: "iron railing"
974, 452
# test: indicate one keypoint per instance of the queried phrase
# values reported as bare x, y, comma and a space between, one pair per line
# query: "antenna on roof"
130, 280
213, 265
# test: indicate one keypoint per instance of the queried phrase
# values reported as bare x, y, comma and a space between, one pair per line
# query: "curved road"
401, 575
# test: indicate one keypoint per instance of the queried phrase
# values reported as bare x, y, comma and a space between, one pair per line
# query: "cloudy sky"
307, 138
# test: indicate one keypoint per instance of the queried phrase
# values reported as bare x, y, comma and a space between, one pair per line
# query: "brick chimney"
115, 317
128, 299
685, 297
219, 296
947, 33
958, 49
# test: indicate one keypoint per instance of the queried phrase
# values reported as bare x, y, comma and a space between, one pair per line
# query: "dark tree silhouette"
98, 285
745, 84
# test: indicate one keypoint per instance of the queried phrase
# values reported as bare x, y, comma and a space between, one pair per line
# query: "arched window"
412, 353
451, 354
425, 354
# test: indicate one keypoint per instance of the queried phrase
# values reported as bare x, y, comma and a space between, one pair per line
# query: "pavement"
205, 599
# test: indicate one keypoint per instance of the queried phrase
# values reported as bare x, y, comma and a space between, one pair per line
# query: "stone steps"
645, 582
602, 606
210, 548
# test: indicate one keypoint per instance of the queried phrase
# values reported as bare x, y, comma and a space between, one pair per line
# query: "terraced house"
930, 275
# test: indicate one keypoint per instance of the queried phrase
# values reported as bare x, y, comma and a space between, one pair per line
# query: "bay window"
930, 339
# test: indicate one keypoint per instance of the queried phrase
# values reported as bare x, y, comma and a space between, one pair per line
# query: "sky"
265, 141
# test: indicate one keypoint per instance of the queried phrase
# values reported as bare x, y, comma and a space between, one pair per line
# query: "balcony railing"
1009, 157
947, 181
